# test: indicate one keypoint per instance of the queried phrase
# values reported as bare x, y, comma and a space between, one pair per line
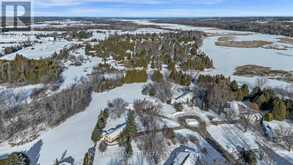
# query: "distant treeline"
269, 25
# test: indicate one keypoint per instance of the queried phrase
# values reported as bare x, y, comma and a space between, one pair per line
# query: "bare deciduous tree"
152, 142
117, 107
261, 82
160, 90
285, 137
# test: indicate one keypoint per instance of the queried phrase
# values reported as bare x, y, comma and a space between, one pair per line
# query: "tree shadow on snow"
66, 159
34, 152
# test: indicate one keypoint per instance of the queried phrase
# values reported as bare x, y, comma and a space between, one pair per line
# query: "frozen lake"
226, 59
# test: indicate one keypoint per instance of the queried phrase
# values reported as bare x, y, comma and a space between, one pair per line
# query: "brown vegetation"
255, 70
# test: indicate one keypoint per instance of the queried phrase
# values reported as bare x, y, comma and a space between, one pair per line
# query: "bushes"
101, 124
135, 76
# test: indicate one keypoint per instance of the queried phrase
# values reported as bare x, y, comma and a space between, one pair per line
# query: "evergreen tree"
101, 124
135, 76
234, 86
279, 110
268, 117
131, 126
245, 90
128, 148
157, 76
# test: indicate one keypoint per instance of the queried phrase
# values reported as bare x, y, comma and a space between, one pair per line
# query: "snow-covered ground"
230, 137
10, 97
211, 156
40, 50
74, 134
73, 74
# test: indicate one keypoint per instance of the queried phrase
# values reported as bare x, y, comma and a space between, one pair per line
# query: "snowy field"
40, 50
74, 134
72, 74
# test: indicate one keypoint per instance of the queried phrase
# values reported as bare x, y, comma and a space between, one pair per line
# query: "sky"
162, 8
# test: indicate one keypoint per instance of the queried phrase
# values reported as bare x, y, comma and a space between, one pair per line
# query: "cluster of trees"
140, 50
23, 70
179, 77
198, 62
81, 34
117, 107
277, 26
105, 77
101, 124
135, 76
16, 159
161, 90
219, 90
114, 46
280, 109
284, 136
249, 157
88, 158
45, 111
12, 49
152, 143
104, 85
128, 134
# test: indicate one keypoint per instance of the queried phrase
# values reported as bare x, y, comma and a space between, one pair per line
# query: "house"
52, 38
112, 135
181, 158
183, 155
186, 97
232, 109
186, 158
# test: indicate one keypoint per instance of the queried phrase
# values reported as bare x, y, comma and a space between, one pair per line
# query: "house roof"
114, 132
